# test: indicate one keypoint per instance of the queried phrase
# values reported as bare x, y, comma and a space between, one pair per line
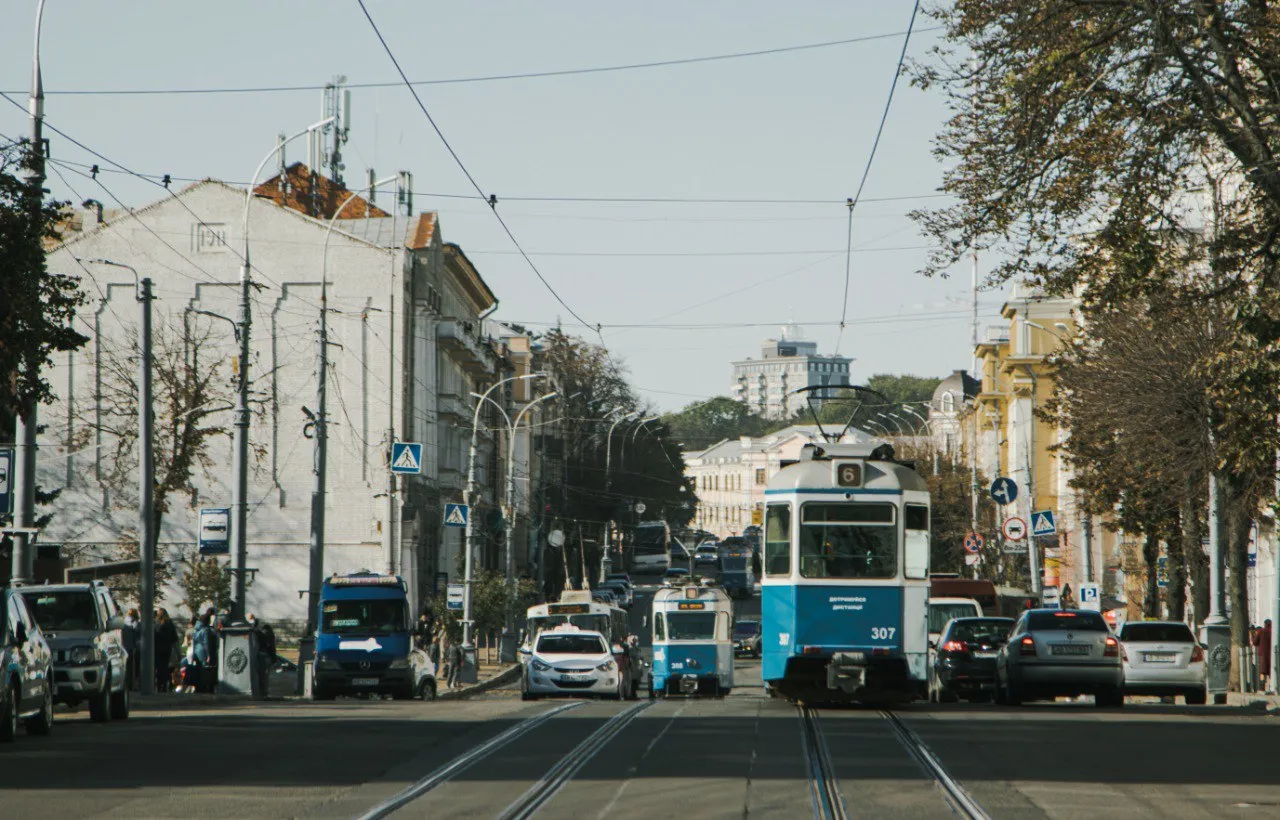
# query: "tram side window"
915, 517
659, 627
777, 540
848, 540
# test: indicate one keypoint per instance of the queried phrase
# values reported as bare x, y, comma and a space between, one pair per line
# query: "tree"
702, 424
127, 587
206, 582
37, 307
189, 393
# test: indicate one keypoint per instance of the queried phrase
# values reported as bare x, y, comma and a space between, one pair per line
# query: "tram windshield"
592, 623
691, 626
848, 540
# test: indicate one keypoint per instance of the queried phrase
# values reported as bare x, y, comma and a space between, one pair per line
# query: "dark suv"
26, 671
82, 624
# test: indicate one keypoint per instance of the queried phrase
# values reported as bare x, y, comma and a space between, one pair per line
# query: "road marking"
618, 794
960, 800
540, 793
461, 763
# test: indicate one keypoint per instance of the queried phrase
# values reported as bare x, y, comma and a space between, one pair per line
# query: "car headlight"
607, 666
323, 662
399, 663
84, 655
540, 666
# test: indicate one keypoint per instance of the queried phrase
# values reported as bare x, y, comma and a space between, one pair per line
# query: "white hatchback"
571, 661
1162, 658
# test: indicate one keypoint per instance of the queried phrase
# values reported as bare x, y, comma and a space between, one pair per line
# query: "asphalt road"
743, 755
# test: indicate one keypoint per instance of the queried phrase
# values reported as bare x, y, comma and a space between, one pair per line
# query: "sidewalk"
488, 676
1271, 703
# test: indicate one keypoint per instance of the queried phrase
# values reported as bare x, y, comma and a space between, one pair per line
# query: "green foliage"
491, 601
36, 307
206, 582
702, 424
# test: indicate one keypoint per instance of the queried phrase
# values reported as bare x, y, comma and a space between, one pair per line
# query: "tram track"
540, 793
463, 762
961, 802
824, 786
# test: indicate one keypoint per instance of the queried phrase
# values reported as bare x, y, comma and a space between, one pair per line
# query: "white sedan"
1162, 658
571, 661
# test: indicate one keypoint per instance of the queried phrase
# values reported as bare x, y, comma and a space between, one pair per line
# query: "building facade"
786, 364
408, 345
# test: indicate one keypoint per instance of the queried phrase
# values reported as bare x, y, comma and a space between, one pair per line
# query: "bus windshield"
377, 617
691, 626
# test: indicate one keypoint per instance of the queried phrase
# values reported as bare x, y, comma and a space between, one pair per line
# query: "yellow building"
1009, 439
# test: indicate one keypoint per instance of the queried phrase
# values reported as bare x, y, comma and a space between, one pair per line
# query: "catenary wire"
439, 133
866, 171
488, 77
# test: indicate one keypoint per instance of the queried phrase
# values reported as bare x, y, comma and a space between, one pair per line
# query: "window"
373, 617
848, 540
1073, 620
70, 610
760, 477
777, 540
915, 517
1156, 633
571, 645
692, 626
659, 627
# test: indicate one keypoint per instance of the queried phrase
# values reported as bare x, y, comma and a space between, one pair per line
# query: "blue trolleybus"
692, 649
846, 577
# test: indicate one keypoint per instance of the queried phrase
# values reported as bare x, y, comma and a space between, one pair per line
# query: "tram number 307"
883, 633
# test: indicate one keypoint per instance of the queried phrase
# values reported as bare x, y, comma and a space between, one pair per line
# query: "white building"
786, 364
730, 477
948, 408
406, 323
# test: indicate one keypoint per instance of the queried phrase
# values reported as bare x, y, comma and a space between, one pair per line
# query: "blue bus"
363, 640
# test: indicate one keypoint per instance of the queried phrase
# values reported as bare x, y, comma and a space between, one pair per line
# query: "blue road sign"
1162, 571
1004, 491
1043, 523
6, 480
215, 531
455, 515
406, 457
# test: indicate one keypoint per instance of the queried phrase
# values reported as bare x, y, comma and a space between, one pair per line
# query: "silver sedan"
1060, 652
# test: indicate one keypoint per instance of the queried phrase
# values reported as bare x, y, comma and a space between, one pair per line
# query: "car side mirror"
20, 633
525, 651
116, 622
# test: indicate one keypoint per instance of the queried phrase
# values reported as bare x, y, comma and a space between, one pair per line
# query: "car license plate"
1068, 649
572, 678
364, 681
1159, 657
984, 654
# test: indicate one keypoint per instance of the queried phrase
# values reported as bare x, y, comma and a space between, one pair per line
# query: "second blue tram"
845, 591
692, 648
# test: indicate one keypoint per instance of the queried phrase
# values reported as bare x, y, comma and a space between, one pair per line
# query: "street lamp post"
467, 674
892, 420
240, 448
608, 446
622, 445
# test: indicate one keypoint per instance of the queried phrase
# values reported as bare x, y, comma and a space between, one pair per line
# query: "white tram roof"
690, 592
818, 463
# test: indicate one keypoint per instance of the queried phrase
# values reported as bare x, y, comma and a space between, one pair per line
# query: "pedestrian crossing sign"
1043, 523
406, 457
455, 515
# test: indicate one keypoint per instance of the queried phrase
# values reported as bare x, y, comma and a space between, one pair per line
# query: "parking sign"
1090, 597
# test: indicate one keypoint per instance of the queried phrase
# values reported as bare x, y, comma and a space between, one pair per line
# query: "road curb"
1270, 703
505, 676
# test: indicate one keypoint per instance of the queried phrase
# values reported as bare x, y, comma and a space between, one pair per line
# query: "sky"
679, 289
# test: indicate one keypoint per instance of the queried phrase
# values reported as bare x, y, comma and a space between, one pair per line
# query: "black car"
746, 639
26, 664
964, 661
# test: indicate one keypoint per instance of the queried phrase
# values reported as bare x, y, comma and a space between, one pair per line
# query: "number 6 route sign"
1014, 529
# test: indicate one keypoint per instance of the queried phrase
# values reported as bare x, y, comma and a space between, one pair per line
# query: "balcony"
471, 354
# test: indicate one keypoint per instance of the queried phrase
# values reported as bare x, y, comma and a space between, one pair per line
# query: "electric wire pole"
24, 474
146, 498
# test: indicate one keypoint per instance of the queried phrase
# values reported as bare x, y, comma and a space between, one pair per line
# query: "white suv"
571, 661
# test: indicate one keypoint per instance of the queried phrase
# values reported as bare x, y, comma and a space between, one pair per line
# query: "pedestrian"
1261, 641
453, 665
266, 649
129, 635
204, 647
1068, 598
166, 650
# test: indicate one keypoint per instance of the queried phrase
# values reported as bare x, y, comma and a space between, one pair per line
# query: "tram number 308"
883, 633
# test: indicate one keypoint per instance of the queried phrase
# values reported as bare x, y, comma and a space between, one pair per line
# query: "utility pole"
24, 473
315, 573
146, 497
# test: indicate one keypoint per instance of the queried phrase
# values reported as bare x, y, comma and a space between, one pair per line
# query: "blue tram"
692, 649
846, 577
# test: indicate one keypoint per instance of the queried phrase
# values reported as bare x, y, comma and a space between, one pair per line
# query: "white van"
942, 610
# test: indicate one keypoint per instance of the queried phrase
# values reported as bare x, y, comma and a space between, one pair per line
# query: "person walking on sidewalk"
1261, 640
166, 650
454, 664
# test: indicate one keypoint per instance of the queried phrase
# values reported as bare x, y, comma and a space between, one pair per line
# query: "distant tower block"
786, 363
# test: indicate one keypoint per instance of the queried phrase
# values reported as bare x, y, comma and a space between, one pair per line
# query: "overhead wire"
489, 77
462, 166
871, 157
